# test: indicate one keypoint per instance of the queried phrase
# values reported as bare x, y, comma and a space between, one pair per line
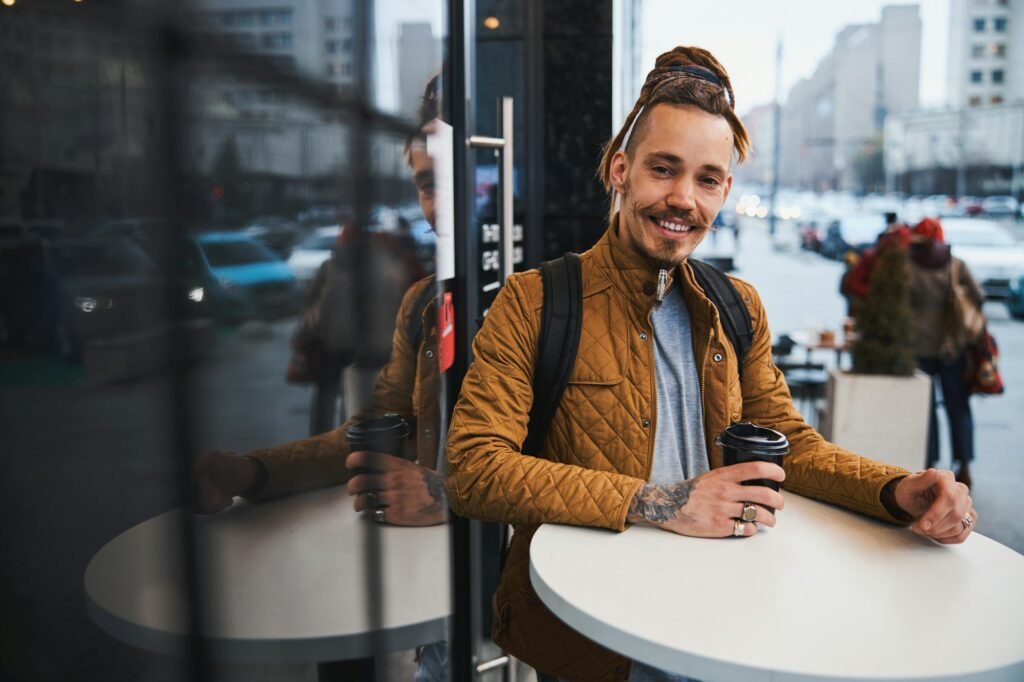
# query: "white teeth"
674, 227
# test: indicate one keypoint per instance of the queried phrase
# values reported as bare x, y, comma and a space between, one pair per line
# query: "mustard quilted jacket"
598, 449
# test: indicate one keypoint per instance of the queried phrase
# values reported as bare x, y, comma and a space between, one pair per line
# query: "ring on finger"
967, 521
739, 529
749, 511
378, 516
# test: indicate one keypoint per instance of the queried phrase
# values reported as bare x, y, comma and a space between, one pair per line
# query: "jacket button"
649, 288
643, 337
718, 357
430, 355
646, 423
426, 432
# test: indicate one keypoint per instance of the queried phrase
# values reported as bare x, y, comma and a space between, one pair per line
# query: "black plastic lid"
391, 425
758, 440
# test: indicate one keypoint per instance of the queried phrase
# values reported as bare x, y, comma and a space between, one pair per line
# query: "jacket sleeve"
320, 460
814, 467
487, 476
970, 285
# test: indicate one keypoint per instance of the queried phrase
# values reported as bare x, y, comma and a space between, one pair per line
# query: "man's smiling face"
675, 183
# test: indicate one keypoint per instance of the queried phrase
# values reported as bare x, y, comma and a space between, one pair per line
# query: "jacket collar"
637, 278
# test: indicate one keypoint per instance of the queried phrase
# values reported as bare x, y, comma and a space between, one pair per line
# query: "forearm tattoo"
657, 503
435, 488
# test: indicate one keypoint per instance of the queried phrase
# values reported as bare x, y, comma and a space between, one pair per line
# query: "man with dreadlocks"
655, 380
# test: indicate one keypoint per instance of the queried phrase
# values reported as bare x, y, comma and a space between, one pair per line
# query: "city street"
98, 460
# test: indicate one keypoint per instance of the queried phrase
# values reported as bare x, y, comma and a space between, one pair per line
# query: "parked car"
992, 254
242, 277
277, 233
1015, 298
851, 233
1000, 206
62, 294
311, 252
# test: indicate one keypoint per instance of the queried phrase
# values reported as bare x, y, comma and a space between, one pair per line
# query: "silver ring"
378, 516
749, 511
967, 520
738, 529
371, 499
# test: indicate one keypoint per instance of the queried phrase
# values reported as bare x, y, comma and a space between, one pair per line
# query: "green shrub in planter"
885, 320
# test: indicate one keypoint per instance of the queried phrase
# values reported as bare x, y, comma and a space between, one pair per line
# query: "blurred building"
76, 111
972, 150
986, 52
976, 145
832, 122
287, 153
760, 125
419, 52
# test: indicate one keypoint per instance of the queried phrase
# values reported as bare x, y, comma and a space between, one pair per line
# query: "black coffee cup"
386, 434
746, 442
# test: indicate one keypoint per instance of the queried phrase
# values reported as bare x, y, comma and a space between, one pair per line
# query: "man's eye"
427, 188
711, 182
661, 170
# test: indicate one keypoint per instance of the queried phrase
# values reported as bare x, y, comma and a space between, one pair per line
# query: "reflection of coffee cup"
746, 442
386, 434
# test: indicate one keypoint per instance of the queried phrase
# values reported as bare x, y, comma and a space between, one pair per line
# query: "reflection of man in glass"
407, 490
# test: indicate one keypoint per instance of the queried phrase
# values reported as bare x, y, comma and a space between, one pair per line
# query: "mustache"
690, 217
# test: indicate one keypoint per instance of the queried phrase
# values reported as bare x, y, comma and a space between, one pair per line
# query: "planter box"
881, 417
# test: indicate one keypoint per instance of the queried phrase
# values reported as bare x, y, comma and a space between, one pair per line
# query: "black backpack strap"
561, 323
414, 323
731, 308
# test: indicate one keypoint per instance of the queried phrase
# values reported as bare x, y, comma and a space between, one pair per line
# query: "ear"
618, 170
728, 188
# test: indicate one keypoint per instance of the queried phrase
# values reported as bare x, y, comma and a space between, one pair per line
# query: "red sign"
446, 333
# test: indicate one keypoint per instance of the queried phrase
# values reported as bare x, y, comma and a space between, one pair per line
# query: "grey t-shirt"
680, 451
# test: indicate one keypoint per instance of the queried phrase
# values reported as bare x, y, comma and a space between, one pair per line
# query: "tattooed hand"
708, 505
412, 494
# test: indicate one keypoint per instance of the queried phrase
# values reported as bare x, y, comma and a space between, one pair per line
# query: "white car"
311, 252
1000, 206
992, 254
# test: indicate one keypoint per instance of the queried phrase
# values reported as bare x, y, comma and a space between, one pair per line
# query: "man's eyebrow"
423, 176
714, 168
664, 157
675, 160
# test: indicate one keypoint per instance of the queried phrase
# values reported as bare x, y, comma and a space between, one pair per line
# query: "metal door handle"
503, 145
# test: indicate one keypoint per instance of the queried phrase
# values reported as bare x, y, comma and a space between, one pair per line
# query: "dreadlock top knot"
663, 74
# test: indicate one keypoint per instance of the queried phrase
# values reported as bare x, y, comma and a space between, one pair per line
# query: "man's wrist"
888, 499
259, 477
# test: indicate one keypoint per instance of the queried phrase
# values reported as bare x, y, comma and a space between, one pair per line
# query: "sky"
742, 34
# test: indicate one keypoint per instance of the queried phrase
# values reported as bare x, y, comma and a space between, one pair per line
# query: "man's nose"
681, 195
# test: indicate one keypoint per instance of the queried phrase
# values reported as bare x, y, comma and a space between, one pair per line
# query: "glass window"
977, 51
998, 49
974, 100
997, 76
976, 76
996, 99
999, 24
979, 25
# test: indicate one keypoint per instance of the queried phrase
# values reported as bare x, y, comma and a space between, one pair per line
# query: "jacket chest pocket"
588, 416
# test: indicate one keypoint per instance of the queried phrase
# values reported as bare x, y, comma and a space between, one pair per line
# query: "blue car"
242, 278
1015, 298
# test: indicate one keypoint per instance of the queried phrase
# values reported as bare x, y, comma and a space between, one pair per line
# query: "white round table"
825, 595
282, 582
